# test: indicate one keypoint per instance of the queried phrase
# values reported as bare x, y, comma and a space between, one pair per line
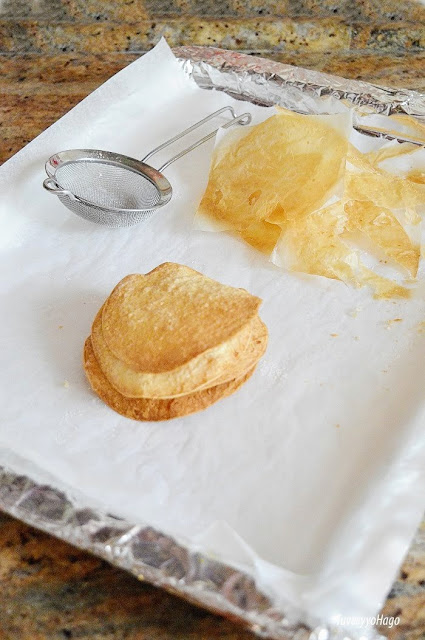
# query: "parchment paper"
311, 476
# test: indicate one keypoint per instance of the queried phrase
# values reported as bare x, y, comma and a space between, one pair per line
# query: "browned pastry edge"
147, 409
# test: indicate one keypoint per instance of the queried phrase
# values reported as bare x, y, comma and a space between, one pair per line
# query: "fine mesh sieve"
115, 190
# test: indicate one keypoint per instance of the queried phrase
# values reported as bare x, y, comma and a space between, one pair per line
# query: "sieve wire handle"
51, 185
243, 119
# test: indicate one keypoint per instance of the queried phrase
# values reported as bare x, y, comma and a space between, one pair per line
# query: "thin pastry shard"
384, 189
279, 188
284, 167
385, 231
313, 244
390, 151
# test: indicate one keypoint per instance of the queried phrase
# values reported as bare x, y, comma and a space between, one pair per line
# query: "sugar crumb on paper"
390, 323
420, 327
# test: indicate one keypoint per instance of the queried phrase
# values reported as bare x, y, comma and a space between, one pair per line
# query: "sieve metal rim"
148, 172
154, 176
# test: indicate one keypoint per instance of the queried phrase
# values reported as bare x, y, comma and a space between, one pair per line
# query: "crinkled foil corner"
140, 549
268, 82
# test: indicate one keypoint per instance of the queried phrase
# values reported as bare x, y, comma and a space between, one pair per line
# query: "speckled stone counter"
52, 54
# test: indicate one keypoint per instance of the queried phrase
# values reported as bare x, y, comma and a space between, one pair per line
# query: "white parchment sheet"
311, 477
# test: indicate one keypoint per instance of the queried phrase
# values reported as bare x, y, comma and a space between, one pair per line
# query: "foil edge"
159, 559
265, 81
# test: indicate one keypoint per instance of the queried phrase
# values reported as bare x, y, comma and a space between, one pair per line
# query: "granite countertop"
52, 54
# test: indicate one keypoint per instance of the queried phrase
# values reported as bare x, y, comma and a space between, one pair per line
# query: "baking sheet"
266, 480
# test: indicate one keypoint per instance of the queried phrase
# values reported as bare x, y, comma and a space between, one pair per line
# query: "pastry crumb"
390, 323
66, 384
354, 312
420, 327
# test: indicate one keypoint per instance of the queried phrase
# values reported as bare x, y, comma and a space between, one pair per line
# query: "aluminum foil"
157, 558
138, 548
268, 82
